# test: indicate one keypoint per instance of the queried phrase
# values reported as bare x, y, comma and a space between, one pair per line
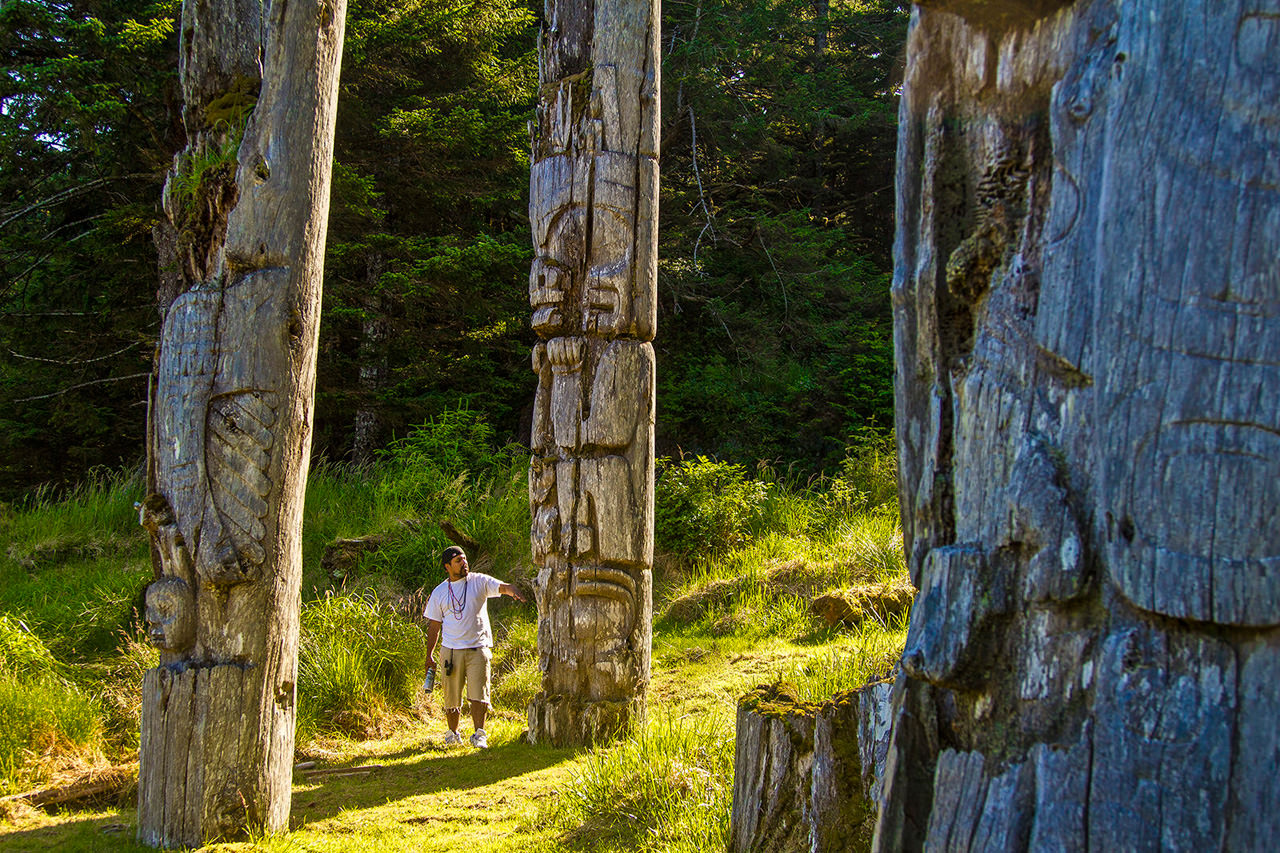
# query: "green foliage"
93, 518
41, 710
83, 149
42, 715
356, 657
448, 470
702, 506
867, 478
451, 443
74, 563
516, 676
212, 165
778, 149
666, 787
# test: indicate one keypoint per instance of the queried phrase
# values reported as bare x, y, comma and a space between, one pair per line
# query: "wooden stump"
807, 777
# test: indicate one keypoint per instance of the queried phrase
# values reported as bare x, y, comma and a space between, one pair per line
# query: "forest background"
778, 135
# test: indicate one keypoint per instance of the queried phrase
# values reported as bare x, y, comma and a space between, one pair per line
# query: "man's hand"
508, 589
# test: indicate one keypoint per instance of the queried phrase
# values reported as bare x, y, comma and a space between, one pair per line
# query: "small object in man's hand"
430, 681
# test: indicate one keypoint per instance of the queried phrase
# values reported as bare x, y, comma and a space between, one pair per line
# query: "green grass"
668, 786
356, 659
727, 620
42, 710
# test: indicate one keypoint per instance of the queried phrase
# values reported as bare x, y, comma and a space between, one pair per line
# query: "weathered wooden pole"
230, 414
1087, 309
593, 205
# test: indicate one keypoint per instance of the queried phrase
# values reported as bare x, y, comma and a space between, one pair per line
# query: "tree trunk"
373, 366
593, 206
1085, 296
230, 416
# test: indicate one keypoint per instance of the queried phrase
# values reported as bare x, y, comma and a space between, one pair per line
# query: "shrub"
438, 458
356, 658
867, 479
703, 506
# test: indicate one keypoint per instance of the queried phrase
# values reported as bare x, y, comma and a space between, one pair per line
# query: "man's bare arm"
508, 589
433, 634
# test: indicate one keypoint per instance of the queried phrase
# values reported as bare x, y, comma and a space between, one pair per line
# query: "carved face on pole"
608, 302
581, 279
171, 622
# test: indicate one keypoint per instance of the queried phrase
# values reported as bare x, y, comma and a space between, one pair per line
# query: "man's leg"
452, 696
478, 692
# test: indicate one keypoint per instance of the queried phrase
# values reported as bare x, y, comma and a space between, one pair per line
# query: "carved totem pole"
229, 426
593, 206
1087, 309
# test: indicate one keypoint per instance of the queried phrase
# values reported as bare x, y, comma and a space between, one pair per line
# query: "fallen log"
111, 781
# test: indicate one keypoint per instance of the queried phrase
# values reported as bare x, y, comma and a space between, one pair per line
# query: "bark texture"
808, 778
593, 206
1086, 295
230, 415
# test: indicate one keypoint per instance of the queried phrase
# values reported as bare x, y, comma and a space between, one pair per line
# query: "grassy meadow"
742, 554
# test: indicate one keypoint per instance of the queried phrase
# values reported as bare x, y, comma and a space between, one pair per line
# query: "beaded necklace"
457, 605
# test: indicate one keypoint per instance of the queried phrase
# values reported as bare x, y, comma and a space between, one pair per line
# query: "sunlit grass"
96, 519
666, 787
46, 717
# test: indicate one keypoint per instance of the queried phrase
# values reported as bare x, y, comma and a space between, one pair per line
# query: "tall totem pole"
1087, 325
593, 207
229, 427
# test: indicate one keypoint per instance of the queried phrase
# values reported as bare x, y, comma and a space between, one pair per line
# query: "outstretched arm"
508, 589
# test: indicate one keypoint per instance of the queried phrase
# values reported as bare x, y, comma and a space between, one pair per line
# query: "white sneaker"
480, 740
452, 738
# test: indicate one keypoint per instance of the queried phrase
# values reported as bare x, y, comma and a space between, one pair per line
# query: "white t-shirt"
460, 608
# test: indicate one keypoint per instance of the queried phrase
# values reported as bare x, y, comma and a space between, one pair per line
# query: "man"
459, 609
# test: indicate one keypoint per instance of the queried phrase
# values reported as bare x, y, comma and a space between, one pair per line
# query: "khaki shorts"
470, 667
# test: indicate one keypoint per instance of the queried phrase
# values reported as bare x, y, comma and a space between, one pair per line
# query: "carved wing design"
238, 443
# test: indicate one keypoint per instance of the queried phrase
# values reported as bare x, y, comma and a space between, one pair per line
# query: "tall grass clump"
74, 561
516, 676
342, 503
358, 662
868, 657
666, 787
45, 717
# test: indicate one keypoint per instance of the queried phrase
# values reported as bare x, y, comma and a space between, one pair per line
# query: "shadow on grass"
434, 771
96, 833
